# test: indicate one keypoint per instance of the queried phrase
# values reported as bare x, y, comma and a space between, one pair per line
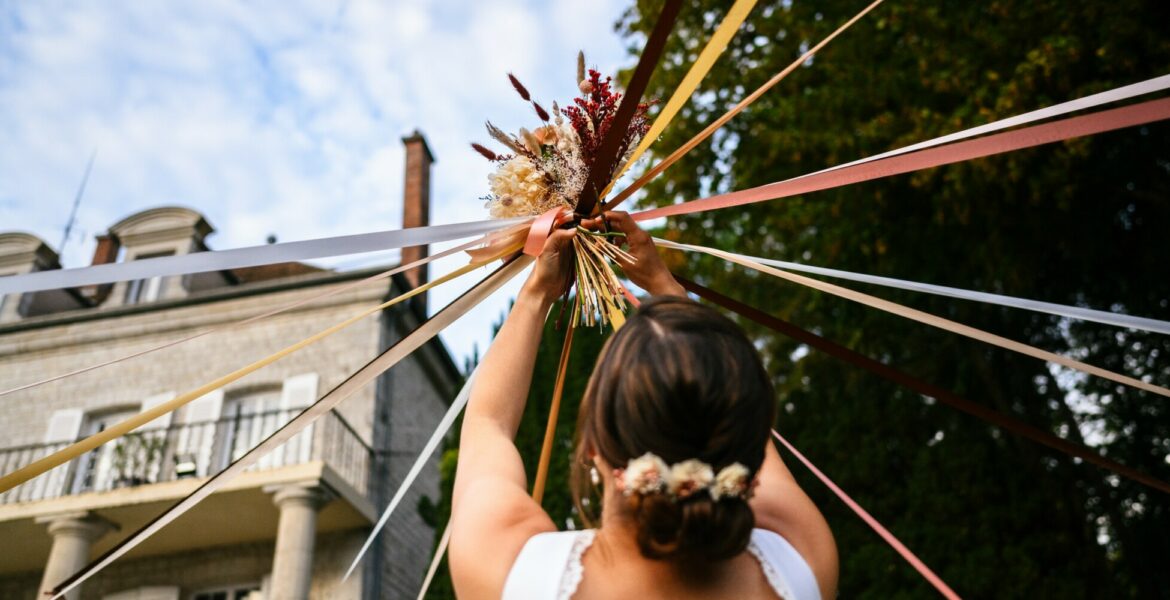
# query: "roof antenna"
76, 203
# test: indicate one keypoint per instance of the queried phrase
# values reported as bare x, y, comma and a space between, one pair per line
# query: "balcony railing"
158, 454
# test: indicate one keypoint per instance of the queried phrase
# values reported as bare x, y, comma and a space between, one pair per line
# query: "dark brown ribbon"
906, 380
605, 161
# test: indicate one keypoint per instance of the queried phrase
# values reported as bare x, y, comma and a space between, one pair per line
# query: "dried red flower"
520, 89
488, 154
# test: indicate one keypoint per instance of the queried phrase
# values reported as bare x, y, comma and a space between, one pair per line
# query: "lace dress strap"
784, 568
549, 566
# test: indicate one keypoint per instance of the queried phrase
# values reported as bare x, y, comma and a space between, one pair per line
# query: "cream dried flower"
730, 482
646, 474
520, 189
690, 476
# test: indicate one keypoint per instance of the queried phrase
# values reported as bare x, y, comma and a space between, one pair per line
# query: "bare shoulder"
488, 533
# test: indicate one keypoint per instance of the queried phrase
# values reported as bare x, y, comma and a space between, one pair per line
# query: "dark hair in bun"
683, 382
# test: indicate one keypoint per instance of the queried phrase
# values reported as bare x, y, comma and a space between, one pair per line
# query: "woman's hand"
550, 277
649, 272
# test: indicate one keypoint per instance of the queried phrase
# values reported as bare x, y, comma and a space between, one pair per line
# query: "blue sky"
273, 117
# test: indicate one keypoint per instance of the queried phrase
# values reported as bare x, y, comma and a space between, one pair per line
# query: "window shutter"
64, 425
164, 421
197, 437
298, 392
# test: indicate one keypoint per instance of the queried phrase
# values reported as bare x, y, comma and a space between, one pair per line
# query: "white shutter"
164, 421
298, 392
197, 437
64, 425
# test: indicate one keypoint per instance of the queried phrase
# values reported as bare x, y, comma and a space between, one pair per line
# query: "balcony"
153, 455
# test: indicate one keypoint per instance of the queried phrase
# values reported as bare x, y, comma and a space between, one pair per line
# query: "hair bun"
695, 529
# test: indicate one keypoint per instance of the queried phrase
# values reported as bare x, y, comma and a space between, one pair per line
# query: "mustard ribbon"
686, 88
76, 449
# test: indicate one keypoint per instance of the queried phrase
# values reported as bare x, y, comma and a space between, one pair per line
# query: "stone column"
73, 534
292, 565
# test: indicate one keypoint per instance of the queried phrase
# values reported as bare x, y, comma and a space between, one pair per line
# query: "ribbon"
550, 428
78, 448
908, 381
411, 342
735, 110
873, 523
419, 464
601, 171
1036, 135
1071, 312
438, 558
219, 260
276, 311
686, 88
934, 321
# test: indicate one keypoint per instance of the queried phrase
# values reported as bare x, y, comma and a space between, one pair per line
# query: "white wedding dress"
549, 566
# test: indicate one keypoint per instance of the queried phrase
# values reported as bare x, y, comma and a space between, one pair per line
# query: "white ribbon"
1148, 86
1062, 310
419, 463
219, 260
362, 377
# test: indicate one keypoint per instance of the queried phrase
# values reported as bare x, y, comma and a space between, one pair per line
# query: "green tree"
1082, 222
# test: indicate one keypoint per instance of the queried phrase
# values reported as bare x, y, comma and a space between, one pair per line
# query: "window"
146, 290
98, 469
249, 591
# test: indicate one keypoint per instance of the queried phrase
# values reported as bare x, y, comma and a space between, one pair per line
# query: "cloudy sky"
275, 117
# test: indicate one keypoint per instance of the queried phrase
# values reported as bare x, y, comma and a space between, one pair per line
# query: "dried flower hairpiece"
649, 474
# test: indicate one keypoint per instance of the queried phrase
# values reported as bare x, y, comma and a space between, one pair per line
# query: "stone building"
287, 528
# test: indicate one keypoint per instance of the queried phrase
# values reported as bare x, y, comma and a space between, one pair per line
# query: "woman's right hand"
649, 272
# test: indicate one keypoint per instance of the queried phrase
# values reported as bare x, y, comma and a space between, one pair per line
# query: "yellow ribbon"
76, 449
715, 46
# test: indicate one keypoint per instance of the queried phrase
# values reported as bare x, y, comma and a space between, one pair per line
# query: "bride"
674, 430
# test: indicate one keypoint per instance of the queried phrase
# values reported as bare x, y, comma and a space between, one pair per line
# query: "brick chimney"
416, 203
105, 253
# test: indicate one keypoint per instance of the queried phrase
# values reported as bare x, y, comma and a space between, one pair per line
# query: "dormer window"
146, 290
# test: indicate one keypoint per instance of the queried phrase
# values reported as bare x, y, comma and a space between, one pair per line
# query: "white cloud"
273, 117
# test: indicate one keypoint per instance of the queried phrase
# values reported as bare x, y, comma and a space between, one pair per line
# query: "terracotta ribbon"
554, 410
873, 523
395, 353
601, 171
686, 88
78, 448
932, 320
908, 381
738, 108
1036, 135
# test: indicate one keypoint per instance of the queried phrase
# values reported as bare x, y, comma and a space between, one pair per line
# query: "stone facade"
356, 460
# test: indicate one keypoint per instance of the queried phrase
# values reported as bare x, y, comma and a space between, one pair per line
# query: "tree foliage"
1082, 222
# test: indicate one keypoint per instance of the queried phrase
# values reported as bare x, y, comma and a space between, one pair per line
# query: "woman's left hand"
550, 276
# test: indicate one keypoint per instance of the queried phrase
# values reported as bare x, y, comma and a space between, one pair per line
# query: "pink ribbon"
1036, 135
901, 548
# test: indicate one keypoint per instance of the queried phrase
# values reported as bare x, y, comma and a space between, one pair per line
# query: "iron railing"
158, 454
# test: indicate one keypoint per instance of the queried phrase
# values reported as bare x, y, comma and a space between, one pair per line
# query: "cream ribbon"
328, 402
1061, 310
927, 318
78, 448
